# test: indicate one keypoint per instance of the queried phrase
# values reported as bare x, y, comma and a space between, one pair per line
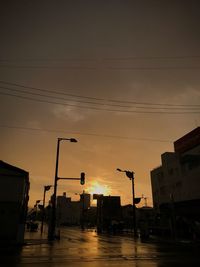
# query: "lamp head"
130, 174
73, 140
119, 170
47, 187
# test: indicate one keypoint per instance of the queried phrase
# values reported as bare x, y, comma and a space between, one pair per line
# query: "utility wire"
102, 109
101, 59
88, 134
52, 91
65, 99
98, 99
100, 104
100, 67
107, 63
153, 57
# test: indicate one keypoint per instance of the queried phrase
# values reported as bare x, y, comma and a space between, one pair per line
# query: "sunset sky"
122, 77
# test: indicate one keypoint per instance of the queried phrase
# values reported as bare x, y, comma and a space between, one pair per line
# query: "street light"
52, 227
46, 188
130, 175
36, 208
36, 205
36, 202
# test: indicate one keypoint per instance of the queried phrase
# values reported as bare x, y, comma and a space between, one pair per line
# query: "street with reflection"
87, 248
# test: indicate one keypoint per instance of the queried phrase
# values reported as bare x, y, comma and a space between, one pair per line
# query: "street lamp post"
36, 206
46, 188
51, 234
130, 175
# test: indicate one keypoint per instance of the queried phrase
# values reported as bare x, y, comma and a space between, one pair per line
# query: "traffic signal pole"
46, 188
53, 219
134, 210
130, 175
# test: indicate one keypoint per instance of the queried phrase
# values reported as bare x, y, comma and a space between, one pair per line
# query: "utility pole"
130, 175
52, 226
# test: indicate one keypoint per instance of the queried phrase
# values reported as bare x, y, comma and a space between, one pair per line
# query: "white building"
177, 180
176, 189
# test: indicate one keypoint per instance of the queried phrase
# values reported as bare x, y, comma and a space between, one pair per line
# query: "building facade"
14, 189
72, 212
108, 212
176, 183
68, 212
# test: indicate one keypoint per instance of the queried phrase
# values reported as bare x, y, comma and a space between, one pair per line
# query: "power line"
52, 91
102, 109
154, 57
61, 98
88, 134
98, 99
101, 67
156, 68
76, 59
100, 104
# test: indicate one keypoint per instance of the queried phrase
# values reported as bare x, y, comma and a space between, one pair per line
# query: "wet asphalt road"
87, 248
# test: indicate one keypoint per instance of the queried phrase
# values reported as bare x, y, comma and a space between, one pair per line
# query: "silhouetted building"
85, 205
176, 183
85, 200
145, 221
68, 212
109, 213
127, 215
111, 208
14, 189
91, 217
72, 212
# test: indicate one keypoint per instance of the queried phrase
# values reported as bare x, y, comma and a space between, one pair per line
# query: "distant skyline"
122, 77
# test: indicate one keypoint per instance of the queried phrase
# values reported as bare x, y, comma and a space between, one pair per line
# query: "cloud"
69, 113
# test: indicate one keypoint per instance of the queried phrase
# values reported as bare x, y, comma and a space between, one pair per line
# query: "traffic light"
82, 180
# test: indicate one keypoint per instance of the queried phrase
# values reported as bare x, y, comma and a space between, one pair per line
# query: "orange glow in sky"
97, 188
140, 98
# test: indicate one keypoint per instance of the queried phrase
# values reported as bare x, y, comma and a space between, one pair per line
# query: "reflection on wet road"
87, 248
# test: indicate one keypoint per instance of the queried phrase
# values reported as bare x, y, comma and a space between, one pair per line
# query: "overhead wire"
95, 98
102, 109
61, 98
97, 59
82, 133
96, 103
105, 67
102, 63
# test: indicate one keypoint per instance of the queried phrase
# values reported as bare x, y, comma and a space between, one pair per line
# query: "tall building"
108, 211
68, 212
14, 189
72, 212
85, 200
176, 183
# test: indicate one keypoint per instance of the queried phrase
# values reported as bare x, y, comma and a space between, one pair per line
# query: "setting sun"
96, 188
